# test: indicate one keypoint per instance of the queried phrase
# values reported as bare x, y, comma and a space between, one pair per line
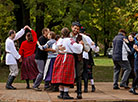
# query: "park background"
101, 18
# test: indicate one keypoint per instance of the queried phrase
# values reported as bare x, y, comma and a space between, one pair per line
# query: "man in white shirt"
78, 57
12, 55
88, 62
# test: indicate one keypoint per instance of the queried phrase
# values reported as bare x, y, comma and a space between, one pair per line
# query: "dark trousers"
79, 71
125, 65
85, 69
136, 79
136, 72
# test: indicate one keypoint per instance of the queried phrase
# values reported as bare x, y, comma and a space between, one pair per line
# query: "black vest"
78, 57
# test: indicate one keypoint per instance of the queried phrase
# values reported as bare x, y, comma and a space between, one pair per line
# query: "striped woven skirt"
29, 68
63, 70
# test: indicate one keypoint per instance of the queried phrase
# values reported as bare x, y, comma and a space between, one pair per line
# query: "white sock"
92, 81
61, 89
66, 89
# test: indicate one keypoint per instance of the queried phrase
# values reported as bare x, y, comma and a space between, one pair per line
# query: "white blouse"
70, 45
93, 47
89, 41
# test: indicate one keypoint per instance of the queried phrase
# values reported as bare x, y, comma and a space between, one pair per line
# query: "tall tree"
40, 17
22, 15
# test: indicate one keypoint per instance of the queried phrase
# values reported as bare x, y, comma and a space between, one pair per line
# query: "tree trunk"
18, 14
22, 15
106, 31
106, 45
26, 15
95, 39
40, 19
95, 35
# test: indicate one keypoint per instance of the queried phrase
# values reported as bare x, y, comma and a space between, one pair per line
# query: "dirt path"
104, 92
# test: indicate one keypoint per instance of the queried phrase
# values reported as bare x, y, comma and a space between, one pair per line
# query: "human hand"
40, 47
61, 48
81, 42
134, 46
126, 40
20, 60
27, 27
93, 43
38, 43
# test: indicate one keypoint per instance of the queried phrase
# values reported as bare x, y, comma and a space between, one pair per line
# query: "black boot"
55, 89
66, 96
47, 85
85, 85
9, 82
127, 82
93, 88
60, 96
72, 86
132, 90
34, 80
79, 92
28, 85
50, 88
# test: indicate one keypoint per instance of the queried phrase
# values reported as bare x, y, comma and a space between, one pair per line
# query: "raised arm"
34, 35
19, 34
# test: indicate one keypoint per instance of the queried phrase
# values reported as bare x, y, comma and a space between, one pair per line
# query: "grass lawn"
103, 71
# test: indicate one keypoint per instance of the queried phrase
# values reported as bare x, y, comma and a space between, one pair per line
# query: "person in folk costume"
135, 82
55, 88
88, 63
27, 49
78, 57
50, 60
63, 71
12, 55
40, 58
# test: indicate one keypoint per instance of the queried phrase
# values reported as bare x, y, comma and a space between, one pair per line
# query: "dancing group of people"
58, 60
125, 56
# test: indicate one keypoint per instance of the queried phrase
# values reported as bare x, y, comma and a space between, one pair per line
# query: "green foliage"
101, 18
6, 18
128, 15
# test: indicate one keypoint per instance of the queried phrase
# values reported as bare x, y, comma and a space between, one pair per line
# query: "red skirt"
29, 68
63, 72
